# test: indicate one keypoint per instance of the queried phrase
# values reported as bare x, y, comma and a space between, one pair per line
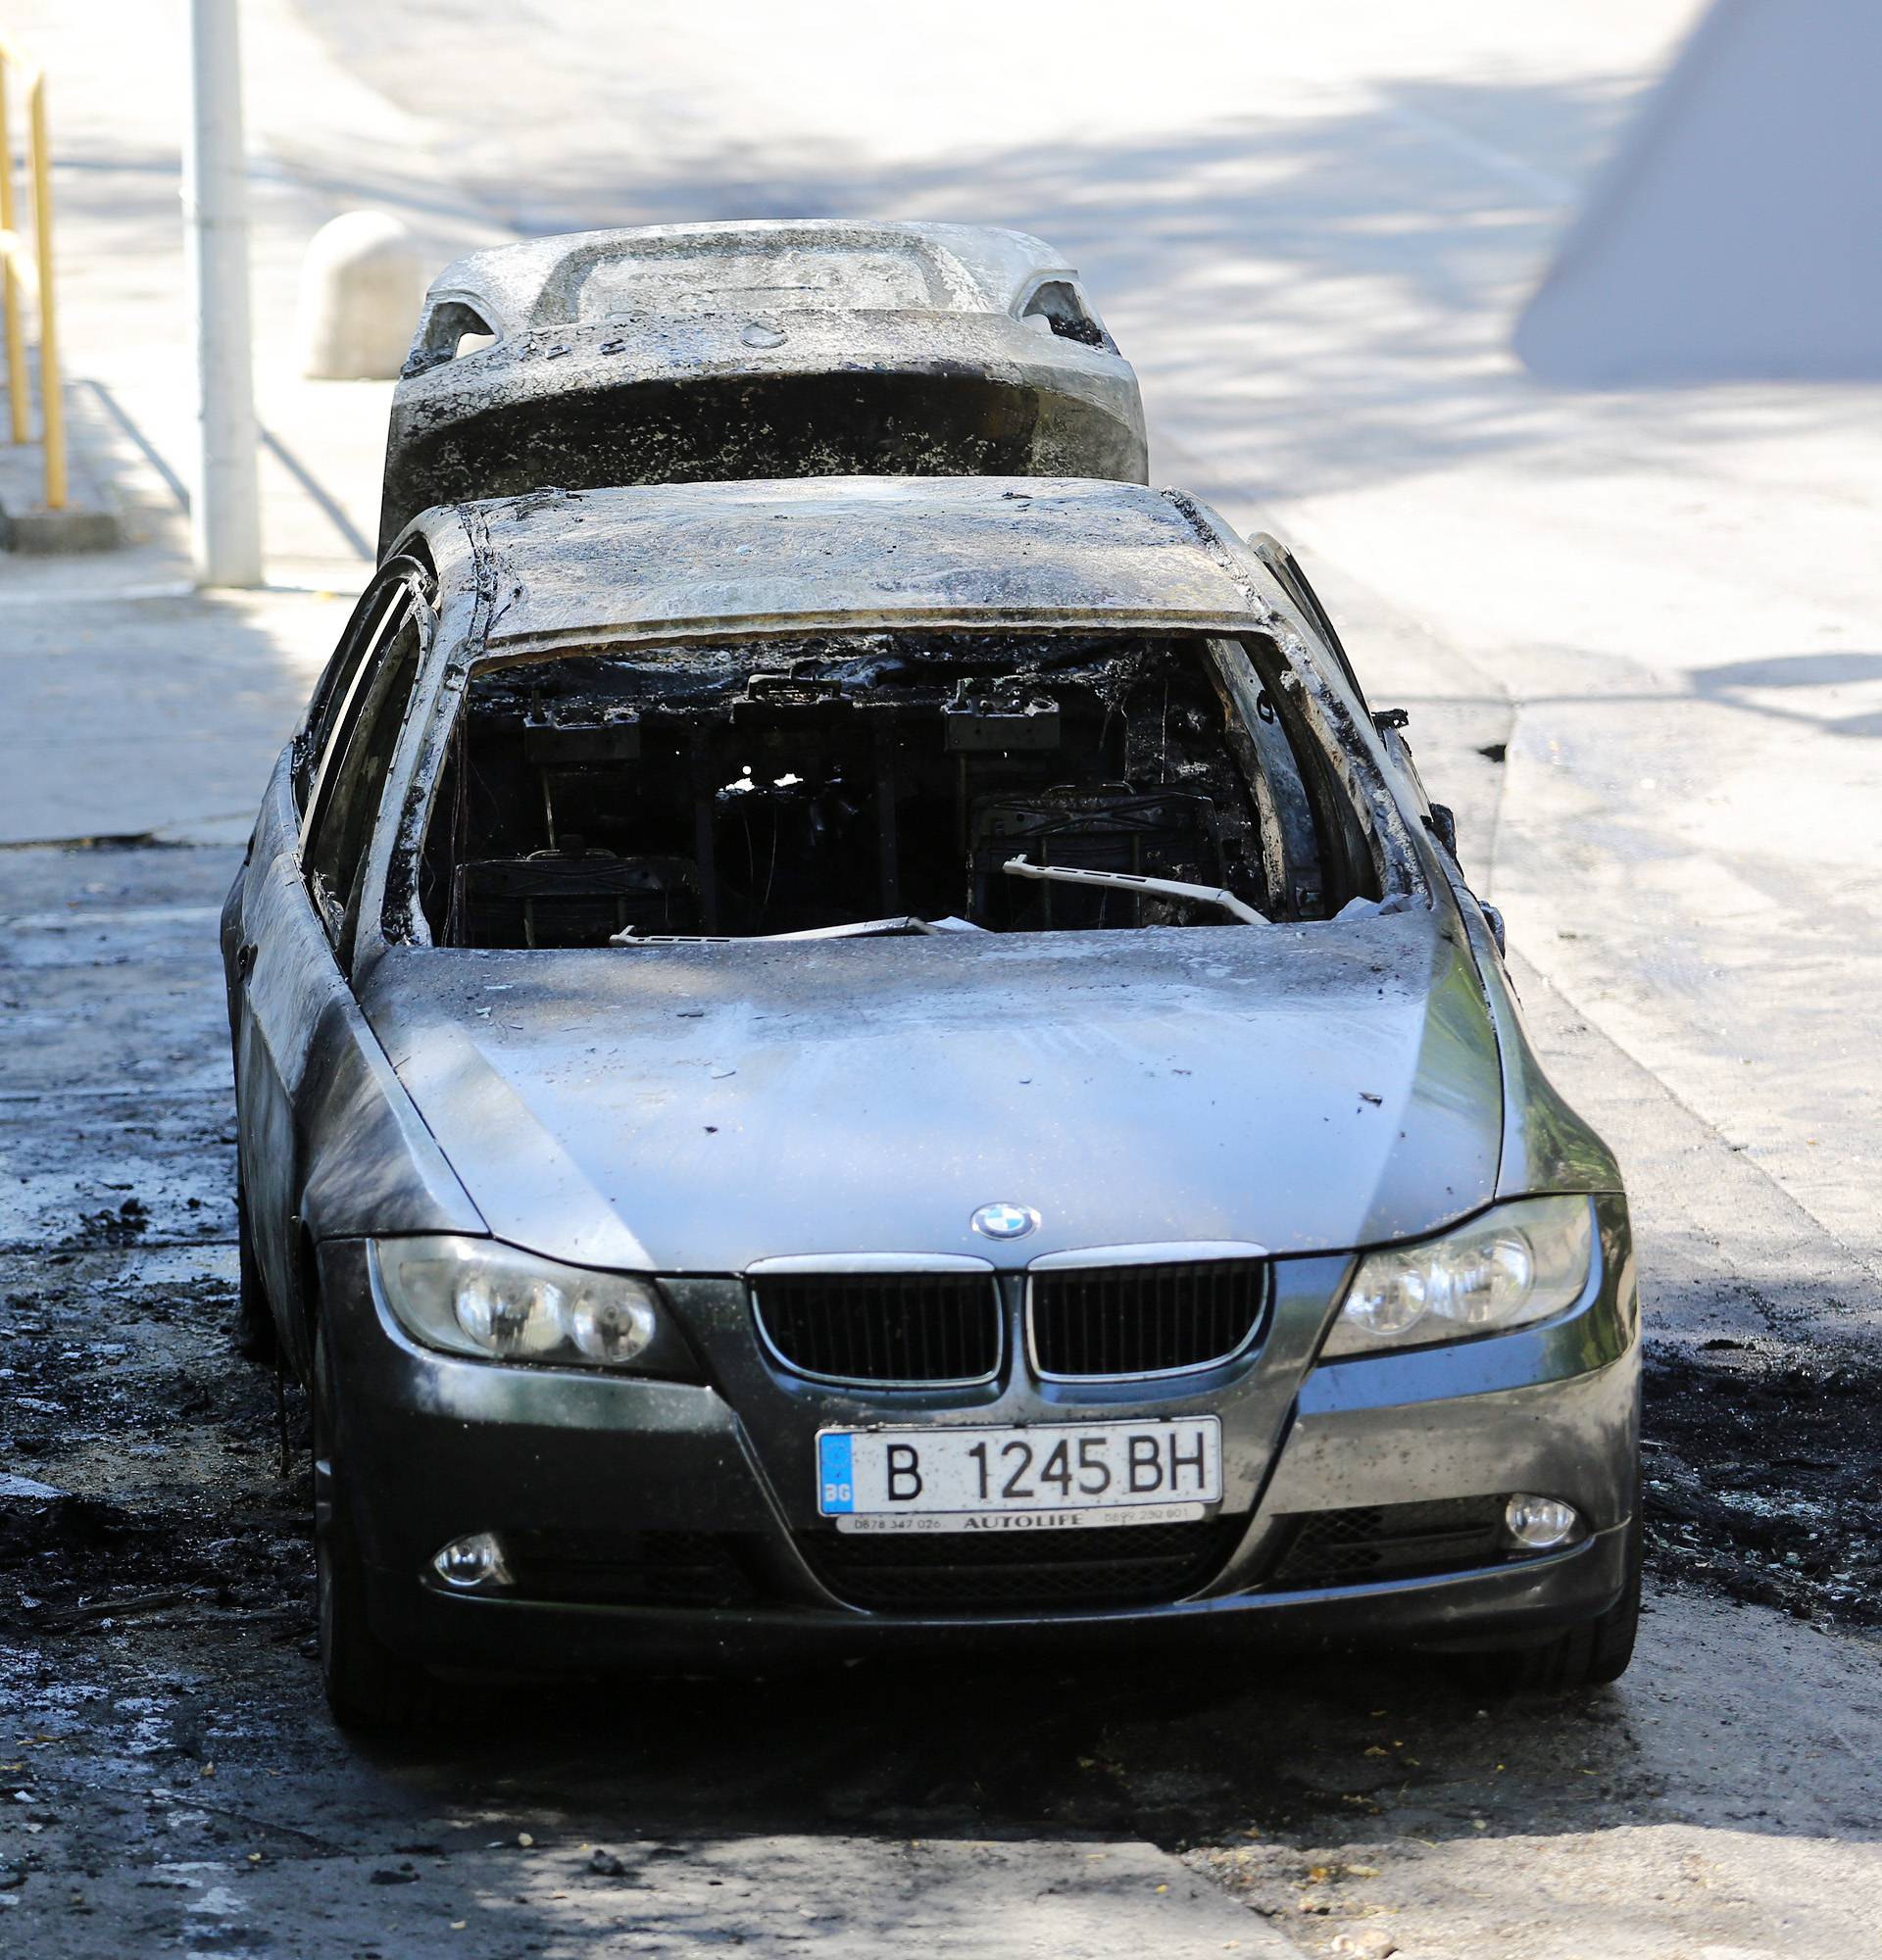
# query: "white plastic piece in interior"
1130, 881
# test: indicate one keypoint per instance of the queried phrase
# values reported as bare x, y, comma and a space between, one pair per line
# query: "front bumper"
438, 1447
1510, 1606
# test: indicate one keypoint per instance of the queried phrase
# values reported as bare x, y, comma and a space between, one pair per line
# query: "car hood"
695, 1108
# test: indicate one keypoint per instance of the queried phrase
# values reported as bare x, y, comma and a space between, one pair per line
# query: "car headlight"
1519, 1262
475, 1296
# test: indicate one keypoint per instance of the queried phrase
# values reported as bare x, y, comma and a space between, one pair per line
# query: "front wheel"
368, 1686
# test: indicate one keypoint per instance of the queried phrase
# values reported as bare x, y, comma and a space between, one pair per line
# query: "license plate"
1053, 1476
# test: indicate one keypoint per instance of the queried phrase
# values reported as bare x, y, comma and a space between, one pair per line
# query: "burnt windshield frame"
1367, 857
1348, 847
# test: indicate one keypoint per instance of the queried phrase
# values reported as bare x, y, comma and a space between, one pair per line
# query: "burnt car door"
295, 921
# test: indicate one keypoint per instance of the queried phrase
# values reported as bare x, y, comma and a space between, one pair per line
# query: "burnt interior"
751, 791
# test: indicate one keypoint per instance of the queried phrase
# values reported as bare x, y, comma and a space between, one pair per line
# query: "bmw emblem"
1006, 1221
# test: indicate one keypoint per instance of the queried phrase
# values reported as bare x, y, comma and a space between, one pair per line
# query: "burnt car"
681, 353
838, 1064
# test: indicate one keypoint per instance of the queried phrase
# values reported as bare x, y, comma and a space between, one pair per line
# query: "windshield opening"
878, 785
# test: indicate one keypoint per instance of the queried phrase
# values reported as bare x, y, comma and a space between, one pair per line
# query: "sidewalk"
134, 705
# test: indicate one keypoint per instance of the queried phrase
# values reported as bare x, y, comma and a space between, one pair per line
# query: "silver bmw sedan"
844, 1063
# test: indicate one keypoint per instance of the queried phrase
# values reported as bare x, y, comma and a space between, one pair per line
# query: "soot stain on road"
1763, 1460
159, 1452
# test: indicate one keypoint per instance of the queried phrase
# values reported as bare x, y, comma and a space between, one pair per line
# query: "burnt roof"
686, 561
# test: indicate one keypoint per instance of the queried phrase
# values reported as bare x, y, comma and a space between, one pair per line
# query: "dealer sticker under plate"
1051, 1477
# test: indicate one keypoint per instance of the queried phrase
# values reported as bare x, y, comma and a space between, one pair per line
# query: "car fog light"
1539, 1524
475, 1561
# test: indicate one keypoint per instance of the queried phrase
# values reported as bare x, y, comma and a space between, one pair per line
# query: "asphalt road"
176, 1784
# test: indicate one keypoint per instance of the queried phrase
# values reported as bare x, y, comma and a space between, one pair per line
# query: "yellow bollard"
20, 275
52, 410
10, 297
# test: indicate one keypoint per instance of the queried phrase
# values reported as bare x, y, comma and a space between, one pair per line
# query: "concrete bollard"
361, 286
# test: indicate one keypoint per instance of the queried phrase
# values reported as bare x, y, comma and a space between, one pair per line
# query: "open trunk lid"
723, 352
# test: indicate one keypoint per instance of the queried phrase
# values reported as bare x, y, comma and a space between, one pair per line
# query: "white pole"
225, 514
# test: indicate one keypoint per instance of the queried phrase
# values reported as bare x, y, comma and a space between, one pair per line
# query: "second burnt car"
762, 347
860, 1061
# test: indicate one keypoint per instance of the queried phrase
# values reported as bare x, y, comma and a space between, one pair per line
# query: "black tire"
1589, 1655
368, 1686
254, 1335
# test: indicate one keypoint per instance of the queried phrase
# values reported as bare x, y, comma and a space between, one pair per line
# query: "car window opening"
877, 786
